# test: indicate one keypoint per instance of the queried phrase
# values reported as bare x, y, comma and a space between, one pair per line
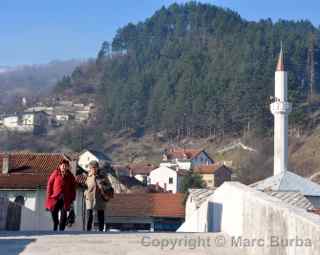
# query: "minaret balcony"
281, 107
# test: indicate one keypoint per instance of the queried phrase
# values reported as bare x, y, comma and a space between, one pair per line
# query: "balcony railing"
281, 107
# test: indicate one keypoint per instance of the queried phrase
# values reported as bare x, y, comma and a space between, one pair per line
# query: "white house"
82, 115
141, 171
46, 109
186, 159
62, 117
33, 122
23, 179
88, 155
167, 178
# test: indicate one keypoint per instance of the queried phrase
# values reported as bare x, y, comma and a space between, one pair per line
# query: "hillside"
198, 69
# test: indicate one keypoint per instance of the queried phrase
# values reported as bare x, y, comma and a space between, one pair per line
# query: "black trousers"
55, 216
100, 219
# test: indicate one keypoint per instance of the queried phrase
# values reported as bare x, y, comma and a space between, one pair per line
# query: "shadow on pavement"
14, 246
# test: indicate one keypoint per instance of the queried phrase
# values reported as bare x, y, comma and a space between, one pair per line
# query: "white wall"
10, 122
28, 119
241, 211
169, 164
161, 176
34, 221
62, 117
190, 207
184, 164
196, 221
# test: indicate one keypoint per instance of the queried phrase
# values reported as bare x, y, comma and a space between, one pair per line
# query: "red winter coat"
58, 185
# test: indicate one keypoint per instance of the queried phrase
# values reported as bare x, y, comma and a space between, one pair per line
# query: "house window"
170, 180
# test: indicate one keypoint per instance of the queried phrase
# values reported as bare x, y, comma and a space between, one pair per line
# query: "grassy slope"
304, 156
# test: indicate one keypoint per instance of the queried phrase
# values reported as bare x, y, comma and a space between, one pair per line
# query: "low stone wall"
257, 222
263, 224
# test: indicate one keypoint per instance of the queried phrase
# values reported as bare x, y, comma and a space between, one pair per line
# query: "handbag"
106, 193
71, 218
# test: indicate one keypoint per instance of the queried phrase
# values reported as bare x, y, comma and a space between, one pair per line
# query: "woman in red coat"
61, 192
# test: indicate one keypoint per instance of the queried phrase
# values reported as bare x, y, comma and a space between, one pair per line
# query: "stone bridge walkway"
80, 243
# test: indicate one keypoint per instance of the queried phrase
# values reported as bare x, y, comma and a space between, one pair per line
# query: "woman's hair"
64, 162
94, 163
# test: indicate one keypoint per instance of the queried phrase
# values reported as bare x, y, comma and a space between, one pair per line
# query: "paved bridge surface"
81, 243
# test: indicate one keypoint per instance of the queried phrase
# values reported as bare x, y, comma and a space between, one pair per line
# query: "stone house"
214, 174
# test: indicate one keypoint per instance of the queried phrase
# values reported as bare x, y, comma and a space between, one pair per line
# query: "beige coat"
92, 194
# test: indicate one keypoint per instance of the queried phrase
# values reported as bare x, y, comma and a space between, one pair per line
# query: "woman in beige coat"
96, 195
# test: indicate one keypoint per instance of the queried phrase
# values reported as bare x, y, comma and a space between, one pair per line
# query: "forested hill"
199, 68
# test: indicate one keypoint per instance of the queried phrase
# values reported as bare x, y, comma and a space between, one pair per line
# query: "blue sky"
37, 31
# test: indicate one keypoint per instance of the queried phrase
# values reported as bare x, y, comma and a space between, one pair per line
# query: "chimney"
5, 164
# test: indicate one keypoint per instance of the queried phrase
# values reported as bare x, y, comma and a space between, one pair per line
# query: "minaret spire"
280, 64
280, 110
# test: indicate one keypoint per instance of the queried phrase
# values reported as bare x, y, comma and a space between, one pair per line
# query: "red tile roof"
183, 153
210, 169
28, 170
141, 168
22, 181
146, 205
36, 163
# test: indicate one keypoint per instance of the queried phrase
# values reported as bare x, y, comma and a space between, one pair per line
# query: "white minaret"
280, 108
